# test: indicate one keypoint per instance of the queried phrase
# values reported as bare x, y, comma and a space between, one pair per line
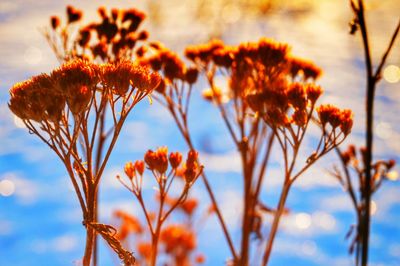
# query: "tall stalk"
372, 78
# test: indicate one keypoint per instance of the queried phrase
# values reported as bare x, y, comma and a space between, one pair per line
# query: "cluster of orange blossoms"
178, 240
74, 84
116, 33
270, 81
172, 67
335, 117
158, 161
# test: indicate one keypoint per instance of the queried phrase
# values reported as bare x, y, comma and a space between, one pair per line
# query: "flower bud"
130, 170
175, 159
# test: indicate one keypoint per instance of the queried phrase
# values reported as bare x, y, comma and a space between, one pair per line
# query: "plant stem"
366, 194
247, 216
90, 236
275, 223
154, 247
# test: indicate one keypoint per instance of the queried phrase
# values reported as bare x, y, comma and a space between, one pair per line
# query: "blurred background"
40, 220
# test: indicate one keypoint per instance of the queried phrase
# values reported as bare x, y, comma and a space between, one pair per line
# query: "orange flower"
79, 100
297, 95
191, 75
134, 17
84, 37
130, 224
177, 238
299, 117
54, 22
71, 76
37, 99
130, 170
346, 121
157, 160
307, 68
119, 77
189, 206
139, 166
191, 160
335, 117
223, 57
200, 259
313, 92
175, 159
100, 50
73, 14
144, 250
327, 113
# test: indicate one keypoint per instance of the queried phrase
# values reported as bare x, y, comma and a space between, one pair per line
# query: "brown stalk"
372, 79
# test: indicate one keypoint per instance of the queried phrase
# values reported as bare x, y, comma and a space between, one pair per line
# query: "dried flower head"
189, 206
175, 159
139, 167
144, 249
313, 92
54, 22
158, 160
130, 170
176, 238
129, 225
336, 118
73, 14
37, 99
303, 67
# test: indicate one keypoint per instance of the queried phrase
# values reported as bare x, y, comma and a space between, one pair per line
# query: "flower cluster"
171, 65
352, 178
112, 39
381, 169
179, 242
266, 80
158, 162
336, 118
74, 84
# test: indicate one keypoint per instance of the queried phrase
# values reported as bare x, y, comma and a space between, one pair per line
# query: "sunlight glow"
18, 122
7, 188
392, 175
231, 13
383, 130
33, 55
309, 248
303, 220
324, 220
373, 207
391, 74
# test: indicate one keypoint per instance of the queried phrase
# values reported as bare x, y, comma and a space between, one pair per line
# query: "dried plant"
353, 180
114, 38
269, 98
179, 242
270, 95
67, 109
368, 174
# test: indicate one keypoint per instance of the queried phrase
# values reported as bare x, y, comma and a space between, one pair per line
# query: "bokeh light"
373, 207
303, 220
33, 55
393, 175
7, 188
392, 74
